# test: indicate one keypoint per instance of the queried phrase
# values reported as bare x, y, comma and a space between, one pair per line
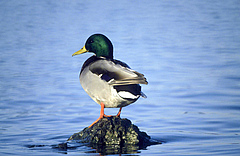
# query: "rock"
62, 146
114, 131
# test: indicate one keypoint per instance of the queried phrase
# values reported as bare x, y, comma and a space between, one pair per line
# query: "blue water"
188, 50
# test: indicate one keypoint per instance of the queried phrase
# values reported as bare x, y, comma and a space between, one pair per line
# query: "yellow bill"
81, 51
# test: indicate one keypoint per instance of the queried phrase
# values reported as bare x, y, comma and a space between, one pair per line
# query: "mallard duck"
109, 82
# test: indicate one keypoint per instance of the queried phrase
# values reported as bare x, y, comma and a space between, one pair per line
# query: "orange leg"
101, 115
118, 114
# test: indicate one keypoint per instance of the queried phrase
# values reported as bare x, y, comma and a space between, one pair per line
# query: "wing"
116, 72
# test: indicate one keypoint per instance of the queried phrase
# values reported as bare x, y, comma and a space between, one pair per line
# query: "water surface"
189, 52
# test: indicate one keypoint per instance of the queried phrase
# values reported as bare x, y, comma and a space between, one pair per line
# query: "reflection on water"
189, 52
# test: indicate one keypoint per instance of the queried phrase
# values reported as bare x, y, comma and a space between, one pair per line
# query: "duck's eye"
91, 41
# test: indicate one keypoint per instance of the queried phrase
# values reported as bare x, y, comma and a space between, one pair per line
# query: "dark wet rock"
114, 132
62, 146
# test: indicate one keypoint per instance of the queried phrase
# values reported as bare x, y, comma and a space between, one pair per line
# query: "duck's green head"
98, 44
